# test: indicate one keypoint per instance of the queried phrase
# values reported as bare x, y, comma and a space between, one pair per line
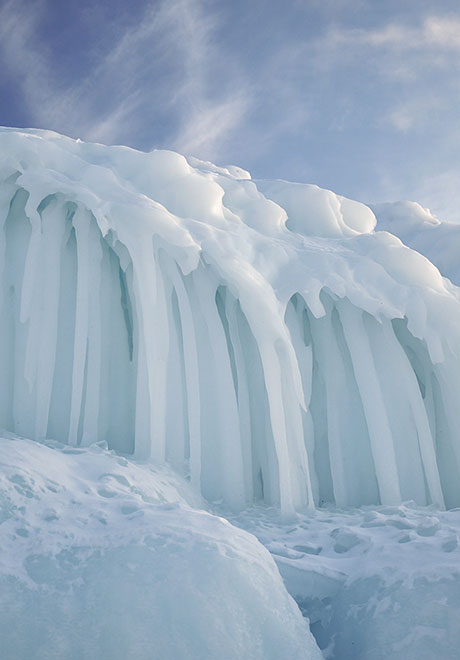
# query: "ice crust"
260, 337
105, 558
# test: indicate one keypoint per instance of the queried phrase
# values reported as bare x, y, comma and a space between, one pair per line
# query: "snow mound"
104, 558
258, 336
313, 211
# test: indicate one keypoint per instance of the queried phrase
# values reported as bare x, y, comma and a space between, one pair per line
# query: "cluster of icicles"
103, 341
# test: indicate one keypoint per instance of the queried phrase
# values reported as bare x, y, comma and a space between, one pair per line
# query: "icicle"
191, 374
90, 422
272, 375
374, 407
222, 421
117, 390
31, 269
21, 400
45, 323
335, 381
445, 377
7, 193
81, 222
153, 351
297, 320
61, 395
403, 383
244, 412
265, 467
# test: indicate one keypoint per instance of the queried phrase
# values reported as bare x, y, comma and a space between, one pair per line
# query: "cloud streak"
28, 65
438, 32
153, 85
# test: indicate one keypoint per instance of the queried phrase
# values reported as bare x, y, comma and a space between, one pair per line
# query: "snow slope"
258, 336
104, 558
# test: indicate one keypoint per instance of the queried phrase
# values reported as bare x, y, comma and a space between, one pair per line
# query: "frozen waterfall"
258, 336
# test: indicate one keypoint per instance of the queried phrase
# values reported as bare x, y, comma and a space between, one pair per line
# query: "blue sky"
360, 96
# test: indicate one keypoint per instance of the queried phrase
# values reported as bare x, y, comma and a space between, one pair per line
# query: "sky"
358, 96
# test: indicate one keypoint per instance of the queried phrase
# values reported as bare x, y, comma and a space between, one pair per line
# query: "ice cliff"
259, 336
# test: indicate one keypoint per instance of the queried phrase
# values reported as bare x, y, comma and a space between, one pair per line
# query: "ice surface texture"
258, 336
103, 559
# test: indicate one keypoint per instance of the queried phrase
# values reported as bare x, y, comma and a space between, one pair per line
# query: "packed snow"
180, 343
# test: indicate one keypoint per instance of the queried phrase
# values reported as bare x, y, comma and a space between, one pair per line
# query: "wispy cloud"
412, 66
206, 127
439, 32
28, 65
154, 84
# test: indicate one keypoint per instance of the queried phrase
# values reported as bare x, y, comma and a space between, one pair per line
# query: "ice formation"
258, 336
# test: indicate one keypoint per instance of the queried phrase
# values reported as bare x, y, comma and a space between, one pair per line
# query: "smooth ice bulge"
260, 337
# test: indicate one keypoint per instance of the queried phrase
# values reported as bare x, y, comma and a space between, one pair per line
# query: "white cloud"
207, 127
26, 64
433, 32
442, 32
401, 118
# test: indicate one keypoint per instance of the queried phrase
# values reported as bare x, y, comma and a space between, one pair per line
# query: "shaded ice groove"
258, 336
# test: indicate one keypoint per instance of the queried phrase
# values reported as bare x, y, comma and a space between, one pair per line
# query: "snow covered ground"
377, 583
103, 557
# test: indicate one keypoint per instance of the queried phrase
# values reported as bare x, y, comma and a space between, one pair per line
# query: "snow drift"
105, 558
260, 337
